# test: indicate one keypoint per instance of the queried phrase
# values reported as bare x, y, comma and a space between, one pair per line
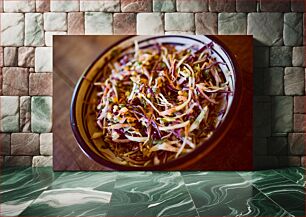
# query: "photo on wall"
163, 102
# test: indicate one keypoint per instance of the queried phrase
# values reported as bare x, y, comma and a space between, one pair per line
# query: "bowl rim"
213, 141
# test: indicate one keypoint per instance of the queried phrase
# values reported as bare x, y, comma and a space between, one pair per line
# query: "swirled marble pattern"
70, 202
75, 193
227, 194
20, 187
42, 192
14, 173
296, 174
94, 180
151, 194
285, 192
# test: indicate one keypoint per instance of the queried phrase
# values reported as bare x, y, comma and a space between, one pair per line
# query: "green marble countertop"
42, 192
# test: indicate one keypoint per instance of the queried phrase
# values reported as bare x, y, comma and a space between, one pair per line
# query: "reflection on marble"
227, 194
285, 192
94, 180
21, 186
75, 193
73, 196
70, 202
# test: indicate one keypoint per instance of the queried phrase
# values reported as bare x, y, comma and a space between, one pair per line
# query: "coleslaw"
159, 103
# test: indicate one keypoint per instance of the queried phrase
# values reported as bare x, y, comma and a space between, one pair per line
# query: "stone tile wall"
27, 27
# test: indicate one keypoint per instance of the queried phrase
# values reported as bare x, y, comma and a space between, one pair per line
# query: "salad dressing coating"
159, 103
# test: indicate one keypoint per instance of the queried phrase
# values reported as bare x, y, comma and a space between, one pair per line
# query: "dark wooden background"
71, 56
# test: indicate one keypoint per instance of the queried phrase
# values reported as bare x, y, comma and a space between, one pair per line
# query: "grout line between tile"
291, 180
190, 195
110, 200
47, 187
289, 214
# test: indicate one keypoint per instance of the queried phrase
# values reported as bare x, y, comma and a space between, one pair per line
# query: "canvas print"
164, 102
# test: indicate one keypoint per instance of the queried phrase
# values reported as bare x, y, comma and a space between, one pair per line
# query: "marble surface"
228, 194
151, 194
20, 187
42, 192
75, 193
285, 192
296, 174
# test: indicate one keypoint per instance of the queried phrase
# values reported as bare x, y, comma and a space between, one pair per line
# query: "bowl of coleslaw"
155, 102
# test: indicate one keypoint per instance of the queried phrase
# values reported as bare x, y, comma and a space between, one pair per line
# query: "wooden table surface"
71, 56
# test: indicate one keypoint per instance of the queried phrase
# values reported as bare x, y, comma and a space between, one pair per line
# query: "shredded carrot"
153, 100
